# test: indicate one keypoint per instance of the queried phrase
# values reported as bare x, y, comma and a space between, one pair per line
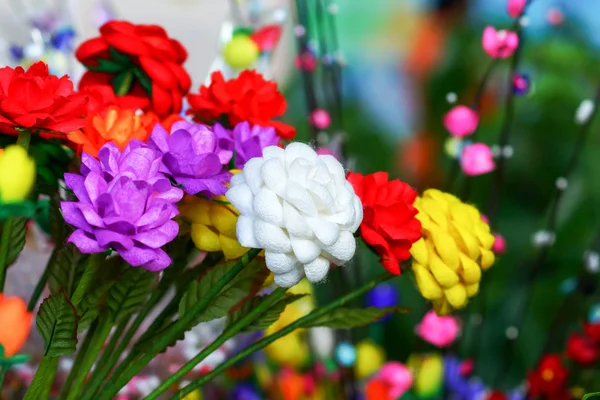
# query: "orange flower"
15, 323
115, 125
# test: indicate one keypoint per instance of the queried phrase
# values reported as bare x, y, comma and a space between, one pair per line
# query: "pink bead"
306, 61
485, 219
499, 44
467, 367
515, 7
477, 159
439, 331
555, 16
398, 378
499, 246
461, 121
320, 119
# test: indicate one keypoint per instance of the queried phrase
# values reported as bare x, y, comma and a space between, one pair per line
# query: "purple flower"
192, 158
463, 387
247, 142
125, 204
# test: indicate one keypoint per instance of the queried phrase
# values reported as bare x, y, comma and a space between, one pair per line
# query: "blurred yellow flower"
17, 174
428, 371
455, 247
369, 358
195, 395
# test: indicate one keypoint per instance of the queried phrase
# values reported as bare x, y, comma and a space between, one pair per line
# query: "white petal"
327, 232
305, 250
273, 152
317, 270
280, 263
344, 219
237, 179
320, 173
241, 197
274, 175
252, 173
320, 196
289, 279
335, 168
342, 250
297, 196
295, 223
298, 171
267, 207
299, 150
271, 237
358, 214
244, 229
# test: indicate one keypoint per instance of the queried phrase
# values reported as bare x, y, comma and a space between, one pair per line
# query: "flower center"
547, 375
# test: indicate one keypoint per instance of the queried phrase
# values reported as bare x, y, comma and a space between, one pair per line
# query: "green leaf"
119, 57
346, 318
16, 359
144, 80
15, 229
88, 277
57, 324
129, 292
42, 382
65, 265
58, 229
24, 209
266, 319
232, 294
122, 82
590, 395
108, 66
89, 308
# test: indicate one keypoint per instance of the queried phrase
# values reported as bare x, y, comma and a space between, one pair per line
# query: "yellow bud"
17, 174
241, 52
369, 358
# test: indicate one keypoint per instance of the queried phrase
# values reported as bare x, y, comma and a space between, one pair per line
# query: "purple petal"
73, 216
88, 163
160, 236
137, 256
106, 206
90, 215
204, 186
159, 138
76, 183
161, 262
85, 243
123, 227
164, 190
112, 239
109, 156
180, 141
155, 216
131, 200
95, 185
141, 162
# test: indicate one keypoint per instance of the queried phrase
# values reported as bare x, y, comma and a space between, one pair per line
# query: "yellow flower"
455, 247
213, 225
17, 174
428, 373
369, 358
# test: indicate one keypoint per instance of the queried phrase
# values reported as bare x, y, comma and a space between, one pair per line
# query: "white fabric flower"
300, 208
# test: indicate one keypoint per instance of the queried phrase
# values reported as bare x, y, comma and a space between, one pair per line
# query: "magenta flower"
461, 121
499, 44
124, 204
247, 142
192, 157
477, 159
499, 246
397, 378
439, 331
515, 7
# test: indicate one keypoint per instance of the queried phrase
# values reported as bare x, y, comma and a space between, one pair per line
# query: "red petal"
92, 49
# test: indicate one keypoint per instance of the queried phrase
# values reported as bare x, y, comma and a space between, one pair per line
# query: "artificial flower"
549, 378
15, 324
249, 97
428, 372
477, 159
521, 84
139, 61
389, 225
320, 119
383, 295
461, 121
460, 385
245, 140
377, 389
300, 208
17, 174
515, 7
125, 204
213, 225
397, 377
369, 358
101, 96
439, 331
581, 349
115, 125
499, 44
455, 247
191, 156
592, 331
241, 52
499, 246
36, 100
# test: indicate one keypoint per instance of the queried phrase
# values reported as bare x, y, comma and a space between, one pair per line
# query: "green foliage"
58, 229
57, 324
347, 318
266, 319
89, 308
129, 292
590, 395
66, 267
15, 229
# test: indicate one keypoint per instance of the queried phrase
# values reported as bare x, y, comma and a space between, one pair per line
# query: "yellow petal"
445, 246
204, 238
456, 296
445, 276
487, 258
223, 219
232, 249
472, 289
430, 207
442, 307
195, 210
420, 252
426, 284
470, 271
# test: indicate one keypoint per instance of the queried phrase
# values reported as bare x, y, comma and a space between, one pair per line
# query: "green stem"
225, 336
103, 366
39, 288
3, 371
78, 360
299, 323
4, 244
90, 355
42, 381
170, 334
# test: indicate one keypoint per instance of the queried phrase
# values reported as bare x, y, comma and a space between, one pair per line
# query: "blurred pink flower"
477, 159
461, 121
397, 377
306, 61
320, 118
555, 17
439, 331
515, 7
499, 246
499, 44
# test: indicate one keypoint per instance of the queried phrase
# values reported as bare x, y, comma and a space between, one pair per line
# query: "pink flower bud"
477, 159
439, 331
515, 7
499, 246
397, 377
485, 219
466, 368
461, 121
555, 17
320, 119
499, 44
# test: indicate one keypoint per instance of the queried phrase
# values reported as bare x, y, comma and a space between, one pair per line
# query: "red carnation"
140, 61
249, 97
389, 225
36, 100
581, 349
593, 332
549, 379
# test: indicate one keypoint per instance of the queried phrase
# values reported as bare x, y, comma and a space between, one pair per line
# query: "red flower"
593, 332
141, 61
549, 378
496, 395
37, 100
249, 97
102, 96
377, 389
389, 225
581, 349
